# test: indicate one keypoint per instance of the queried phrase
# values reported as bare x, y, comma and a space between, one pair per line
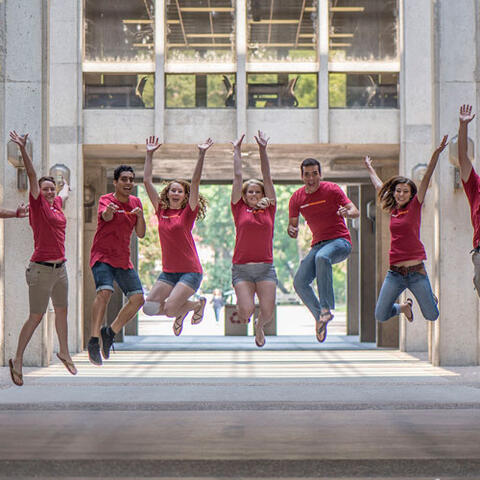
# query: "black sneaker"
107, 341
94, 353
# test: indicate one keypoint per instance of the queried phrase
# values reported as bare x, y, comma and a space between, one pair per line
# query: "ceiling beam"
300, 22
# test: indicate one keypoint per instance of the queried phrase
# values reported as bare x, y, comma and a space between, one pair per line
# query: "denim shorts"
253, 272
127, 279
191, 279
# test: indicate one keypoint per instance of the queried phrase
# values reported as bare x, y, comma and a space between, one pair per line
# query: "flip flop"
14, 373
321, 327
410, 318
178, 324
198, 314
234, 319
70, 366
257, 343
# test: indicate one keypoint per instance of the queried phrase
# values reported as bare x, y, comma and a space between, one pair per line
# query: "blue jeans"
394, 284
127, 279
318, 264
190, 279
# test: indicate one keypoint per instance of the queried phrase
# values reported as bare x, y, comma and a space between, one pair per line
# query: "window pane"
200, 91
106, 90
282, 90
350, 90
282, 31
120, 31
363, 30
200, 31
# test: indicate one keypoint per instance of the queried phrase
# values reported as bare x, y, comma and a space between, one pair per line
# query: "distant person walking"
471, 185
400, 198
324, 206
177, 207
218, 302
253, 208
119, 213
46, 274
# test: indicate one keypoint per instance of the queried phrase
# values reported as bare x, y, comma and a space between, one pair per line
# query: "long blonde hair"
164, 202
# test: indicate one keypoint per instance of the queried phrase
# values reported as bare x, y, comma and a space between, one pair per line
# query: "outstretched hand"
442, 145
238, 143
466, 114
152, 144
22, 211
261, 139
368, 161
18, 139
203, 147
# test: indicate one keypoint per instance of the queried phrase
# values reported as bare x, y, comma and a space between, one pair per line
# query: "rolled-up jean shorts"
191, 279
253, 272
127, 279
46, 282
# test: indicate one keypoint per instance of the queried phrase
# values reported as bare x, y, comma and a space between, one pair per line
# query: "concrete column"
241, 80
24, 106
456, 333
160, 40
416, 135
367, 267
323, 104
65, 115
353, 270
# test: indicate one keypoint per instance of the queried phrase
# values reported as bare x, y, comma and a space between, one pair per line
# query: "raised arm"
197, 173
375, 179
237, 170
465, 118
152, 146
262, 142
422, 189
63, 193
27, 161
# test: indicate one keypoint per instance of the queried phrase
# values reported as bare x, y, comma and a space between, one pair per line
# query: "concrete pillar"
353, 270
456, 333
65, 120
241, 80
160, 40
24, 100
323, 45
416, 134
367, 266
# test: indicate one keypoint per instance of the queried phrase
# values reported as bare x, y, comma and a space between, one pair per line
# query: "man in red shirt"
324, 206
118, 214
471, 185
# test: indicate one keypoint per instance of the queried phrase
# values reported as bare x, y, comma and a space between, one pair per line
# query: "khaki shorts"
45, 282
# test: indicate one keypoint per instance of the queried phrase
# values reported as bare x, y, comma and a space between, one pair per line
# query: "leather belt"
419, 267
52, 265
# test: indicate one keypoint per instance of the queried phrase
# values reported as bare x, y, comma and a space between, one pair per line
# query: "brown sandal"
14, 373
258, 329
321, 326
410, 318
198, 314
178, 324
70, 366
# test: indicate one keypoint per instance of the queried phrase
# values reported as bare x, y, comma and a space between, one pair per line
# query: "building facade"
333, 79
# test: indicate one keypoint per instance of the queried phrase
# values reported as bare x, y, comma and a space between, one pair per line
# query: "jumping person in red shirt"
253, 207
471, 185
118, 214
324, 206
177, 207
46, 274
399, 197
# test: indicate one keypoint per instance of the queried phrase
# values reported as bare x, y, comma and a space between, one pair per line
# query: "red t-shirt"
112, 239
254, 239
472, 190
320, 211
179, 253
405, 241
48, 223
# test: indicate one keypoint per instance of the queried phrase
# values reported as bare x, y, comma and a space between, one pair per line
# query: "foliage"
337, 90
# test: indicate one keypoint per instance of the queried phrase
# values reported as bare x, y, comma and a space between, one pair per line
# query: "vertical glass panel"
107, 90
351, 90
200, 31
363, 30
200, 90
282, 30
120, 31
282, 90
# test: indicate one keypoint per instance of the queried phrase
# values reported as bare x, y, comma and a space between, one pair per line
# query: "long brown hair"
386, 193
202, 201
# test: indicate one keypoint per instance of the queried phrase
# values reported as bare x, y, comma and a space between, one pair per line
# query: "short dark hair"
46, 179
311, 162
120, 169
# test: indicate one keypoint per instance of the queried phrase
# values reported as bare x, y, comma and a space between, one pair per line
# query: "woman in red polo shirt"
46, 274
253, 208
177, 207
400, 198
